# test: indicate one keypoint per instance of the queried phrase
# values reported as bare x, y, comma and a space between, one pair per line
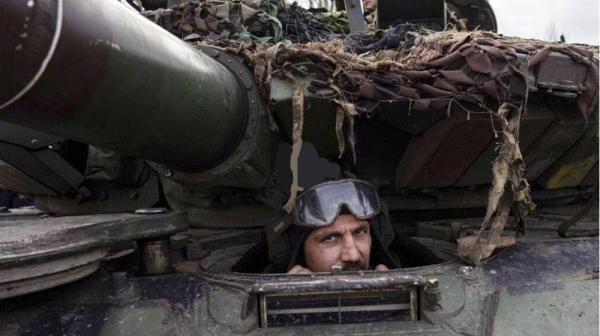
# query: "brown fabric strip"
458, 44
457, 76
432, 91
446, 60
388, 94
444, 85
486, 42
538, 57
494, 52
421, 104
519, 84
416, 75
490, 88
478, 62
367, 90
587, 102
409, 92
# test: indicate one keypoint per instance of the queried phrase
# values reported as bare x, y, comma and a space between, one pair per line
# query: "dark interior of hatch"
246, 251
409, 251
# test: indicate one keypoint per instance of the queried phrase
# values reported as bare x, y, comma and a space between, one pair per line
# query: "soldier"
337, 223
369, 8
338, 213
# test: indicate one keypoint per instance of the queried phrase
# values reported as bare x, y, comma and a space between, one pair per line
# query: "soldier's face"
346, 242
369, 5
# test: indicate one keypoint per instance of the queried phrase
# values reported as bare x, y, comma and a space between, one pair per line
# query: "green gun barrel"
102, 74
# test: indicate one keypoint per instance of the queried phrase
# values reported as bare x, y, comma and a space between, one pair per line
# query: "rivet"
466, 270
215, 172
432, 295
253, 102
228, 61
168, 173
433, 282
34, 142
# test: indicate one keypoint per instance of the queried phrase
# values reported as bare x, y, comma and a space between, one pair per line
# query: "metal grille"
278, 310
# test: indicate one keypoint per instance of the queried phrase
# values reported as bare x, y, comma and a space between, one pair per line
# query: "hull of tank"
543, 285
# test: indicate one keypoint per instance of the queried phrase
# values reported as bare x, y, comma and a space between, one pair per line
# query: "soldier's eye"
361, 231
329, 238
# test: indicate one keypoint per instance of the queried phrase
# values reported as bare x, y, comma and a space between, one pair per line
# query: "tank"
158, 144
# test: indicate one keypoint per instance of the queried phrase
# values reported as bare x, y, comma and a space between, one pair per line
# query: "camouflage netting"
472, 70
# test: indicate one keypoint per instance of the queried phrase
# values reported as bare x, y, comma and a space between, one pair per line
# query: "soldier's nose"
350, 251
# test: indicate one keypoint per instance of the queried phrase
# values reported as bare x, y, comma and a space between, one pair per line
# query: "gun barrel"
100, 73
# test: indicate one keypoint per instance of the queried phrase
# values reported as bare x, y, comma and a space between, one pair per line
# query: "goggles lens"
321, 205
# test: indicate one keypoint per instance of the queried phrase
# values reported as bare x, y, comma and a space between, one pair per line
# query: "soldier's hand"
299, 270
381, 267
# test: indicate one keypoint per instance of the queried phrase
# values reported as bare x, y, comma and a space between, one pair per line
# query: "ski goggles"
321, 205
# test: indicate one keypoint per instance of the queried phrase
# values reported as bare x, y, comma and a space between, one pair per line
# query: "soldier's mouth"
354, 266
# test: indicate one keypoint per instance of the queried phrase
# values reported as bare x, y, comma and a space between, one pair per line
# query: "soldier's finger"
381, 267
299, 270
